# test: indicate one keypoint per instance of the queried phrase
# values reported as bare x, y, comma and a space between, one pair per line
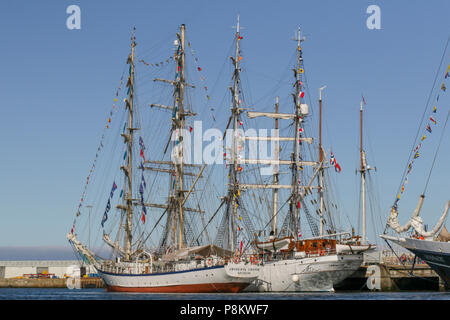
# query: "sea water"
102, 294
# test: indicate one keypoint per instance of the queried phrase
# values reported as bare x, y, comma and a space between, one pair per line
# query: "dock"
50, 283
392, 277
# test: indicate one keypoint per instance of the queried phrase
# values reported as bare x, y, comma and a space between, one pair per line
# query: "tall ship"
275, 208
180, 260
430, 245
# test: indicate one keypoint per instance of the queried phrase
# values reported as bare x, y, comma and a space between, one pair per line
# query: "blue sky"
58, 85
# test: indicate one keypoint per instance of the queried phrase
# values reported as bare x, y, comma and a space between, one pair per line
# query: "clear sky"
57, 86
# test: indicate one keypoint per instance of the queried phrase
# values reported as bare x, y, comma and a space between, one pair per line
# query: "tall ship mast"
177, 263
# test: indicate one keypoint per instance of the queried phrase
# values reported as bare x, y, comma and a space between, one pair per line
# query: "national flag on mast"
334, 163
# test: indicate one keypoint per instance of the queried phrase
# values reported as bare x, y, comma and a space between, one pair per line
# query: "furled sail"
416, 223
393, 220
444, 235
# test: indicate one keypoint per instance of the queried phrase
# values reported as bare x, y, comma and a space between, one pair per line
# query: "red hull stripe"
187, 288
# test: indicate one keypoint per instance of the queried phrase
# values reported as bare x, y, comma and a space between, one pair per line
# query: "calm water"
101, 294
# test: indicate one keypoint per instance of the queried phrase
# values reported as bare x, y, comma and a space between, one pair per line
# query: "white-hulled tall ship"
180, 263
290, 262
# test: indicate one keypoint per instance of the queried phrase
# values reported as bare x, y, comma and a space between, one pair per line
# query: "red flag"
302, 94
337, 167
142, 154
143, 218
199, 69
240, 249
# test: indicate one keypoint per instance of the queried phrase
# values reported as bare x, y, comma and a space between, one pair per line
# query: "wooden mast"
180, 124
295, 200
233, 192
363, 174
321, 173
129, 166
275, 178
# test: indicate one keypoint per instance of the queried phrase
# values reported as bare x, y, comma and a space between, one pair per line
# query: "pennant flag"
434, 121
299, 205
446, 73
302, 94
199, 69
125, 155
443, 87
108, 206
434, 109
337, 167
143, 181
240, 38
141, 143
142, 154
190, 129
240, 58
114, 187
428, 128
143, 218
121, 193
416, 155
105, 217
240, 249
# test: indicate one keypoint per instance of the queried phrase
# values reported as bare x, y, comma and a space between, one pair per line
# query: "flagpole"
321, 183
363, 177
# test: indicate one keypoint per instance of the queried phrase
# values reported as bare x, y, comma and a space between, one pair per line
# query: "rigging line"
437, 151
423, 116
156, 224
212, 217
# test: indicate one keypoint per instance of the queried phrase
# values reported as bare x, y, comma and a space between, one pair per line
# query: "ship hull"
311, 274
436, 254
204, 280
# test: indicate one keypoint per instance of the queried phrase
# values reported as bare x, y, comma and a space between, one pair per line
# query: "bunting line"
428, 130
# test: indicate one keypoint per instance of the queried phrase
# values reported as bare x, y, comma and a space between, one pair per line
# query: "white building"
57, 268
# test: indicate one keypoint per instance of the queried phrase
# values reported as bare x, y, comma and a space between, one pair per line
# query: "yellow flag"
424, 137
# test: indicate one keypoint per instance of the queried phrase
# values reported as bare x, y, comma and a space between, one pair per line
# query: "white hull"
310, 274
210, 279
